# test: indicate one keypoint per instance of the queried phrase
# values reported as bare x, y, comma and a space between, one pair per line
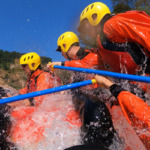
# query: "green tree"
142, 5
121, 7
125, 5
7, 58
45, 60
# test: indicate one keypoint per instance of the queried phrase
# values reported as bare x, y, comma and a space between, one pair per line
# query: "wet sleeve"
132, 106
135, 108
92, 60
76, 63
119, 29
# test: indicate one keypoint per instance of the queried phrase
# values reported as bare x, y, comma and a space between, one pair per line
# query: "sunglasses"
23, 66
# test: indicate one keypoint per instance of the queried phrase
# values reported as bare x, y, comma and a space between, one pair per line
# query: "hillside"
11, 74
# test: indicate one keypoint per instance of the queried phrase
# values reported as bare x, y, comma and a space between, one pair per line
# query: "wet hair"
75, 44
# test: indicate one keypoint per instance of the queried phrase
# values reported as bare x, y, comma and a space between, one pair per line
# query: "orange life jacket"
136, 111
23, 116
39, 80
131, 26
87, 59
124, 41
118, 58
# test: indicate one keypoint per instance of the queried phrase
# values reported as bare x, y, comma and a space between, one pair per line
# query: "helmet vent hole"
94, 17
25, 59
64, 45
31, 56
92, 6
87, 9
62, 36
82, 13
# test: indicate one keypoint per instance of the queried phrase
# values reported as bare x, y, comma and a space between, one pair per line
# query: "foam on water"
58, 132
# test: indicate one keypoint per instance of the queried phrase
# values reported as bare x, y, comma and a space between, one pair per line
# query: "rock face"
13, 77
7, 88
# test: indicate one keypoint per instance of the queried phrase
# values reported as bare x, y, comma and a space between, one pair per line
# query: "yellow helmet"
29, 59
97, 8
66, 40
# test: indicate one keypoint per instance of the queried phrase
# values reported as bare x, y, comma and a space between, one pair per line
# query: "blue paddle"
107, 73
47, 91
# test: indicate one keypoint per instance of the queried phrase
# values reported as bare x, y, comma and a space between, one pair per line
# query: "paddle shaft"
107, 73
47, 91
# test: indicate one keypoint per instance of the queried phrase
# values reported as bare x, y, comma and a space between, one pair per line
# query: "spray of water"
49, 127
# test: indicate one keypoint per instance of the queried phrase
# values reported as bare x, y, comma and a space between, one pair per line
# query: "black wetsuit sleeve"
116, 89
63, 63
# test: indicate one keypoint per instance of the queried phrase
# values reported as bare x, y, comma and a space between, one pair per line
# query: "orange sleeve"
23, 91
76, 63
135, 108
45, 81
132, 26
92, 60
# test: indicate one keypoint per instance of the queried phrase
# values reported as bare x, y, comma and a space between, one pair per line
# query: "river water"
59, 132
54, 128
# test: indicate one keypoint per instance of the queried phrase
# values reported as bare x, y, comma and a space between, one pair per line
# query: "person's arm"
107, 83
103, 81
132, 26
129, 103
92, 60
50, 64
71, 63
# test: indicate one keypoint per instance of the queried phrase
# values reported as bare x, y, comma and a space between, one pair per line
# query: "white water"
58, 134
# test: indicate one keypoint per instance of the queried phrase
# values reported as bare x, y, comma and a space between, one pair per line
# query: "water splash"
58, 133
